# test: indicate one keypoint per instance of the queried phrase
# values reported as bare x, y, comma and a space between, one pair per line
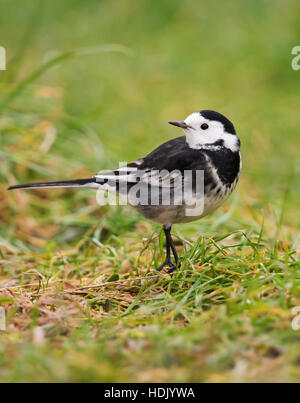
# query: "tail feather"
90, 182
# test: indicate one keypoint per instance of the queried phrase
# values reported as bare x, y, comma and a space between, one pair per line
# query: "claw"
171, 266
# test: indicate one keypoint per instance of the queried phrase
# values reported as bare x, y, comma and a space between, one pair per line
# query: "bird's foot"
171, 266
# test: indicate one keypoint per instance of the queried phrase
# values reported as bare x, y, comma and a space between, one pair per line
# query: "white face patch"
196, 137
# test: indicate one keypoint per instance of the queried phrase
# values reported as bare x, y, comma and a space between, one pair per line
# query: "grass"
78, 282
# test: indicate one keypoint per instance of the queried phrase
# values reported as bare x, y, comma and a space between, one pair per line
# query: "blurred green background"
134, 65
233, 57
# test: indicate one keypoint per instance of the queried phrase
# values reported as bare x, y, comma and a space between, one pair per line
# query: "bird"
204, 164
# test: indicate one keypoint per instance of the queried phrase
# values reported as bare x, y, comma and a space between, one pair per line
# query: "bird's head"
208, 128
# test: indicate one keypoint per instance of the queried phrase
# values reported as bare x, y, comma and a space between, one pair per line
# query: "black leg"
169, 246
173, 249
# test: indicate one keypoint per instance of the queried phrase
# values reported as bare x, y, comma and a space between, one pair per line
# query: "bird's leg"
177, 264
173, 249
169, 246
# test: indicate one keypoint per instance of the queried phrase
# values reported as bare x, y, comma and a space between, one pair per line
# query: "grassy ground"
79, 286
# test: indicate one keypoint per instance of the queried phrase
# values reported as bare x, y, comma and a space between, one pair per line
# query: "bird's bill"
181, 124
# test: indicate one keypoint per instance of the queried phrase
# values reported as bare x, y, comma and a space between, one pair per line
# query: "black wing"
174, 155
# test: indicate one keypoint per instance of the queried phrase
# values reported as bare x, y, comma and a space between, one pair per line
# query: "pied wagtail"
210, 145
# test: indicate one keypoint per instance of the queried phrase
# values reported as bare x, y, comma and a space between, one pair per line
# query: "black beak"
182, 124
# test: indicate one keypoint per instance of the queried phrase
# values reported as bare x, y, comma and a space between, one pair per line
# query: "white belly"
173, 214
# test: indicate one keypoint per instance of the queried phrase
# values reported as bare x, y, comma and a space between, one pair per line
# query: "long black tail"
90, 183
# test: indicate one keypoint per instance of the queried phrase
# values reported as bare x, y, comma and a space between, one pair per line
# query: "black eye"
204, 126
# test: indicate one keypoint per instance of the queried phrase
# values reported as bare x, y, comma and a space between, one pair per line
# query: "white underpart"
197, 137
